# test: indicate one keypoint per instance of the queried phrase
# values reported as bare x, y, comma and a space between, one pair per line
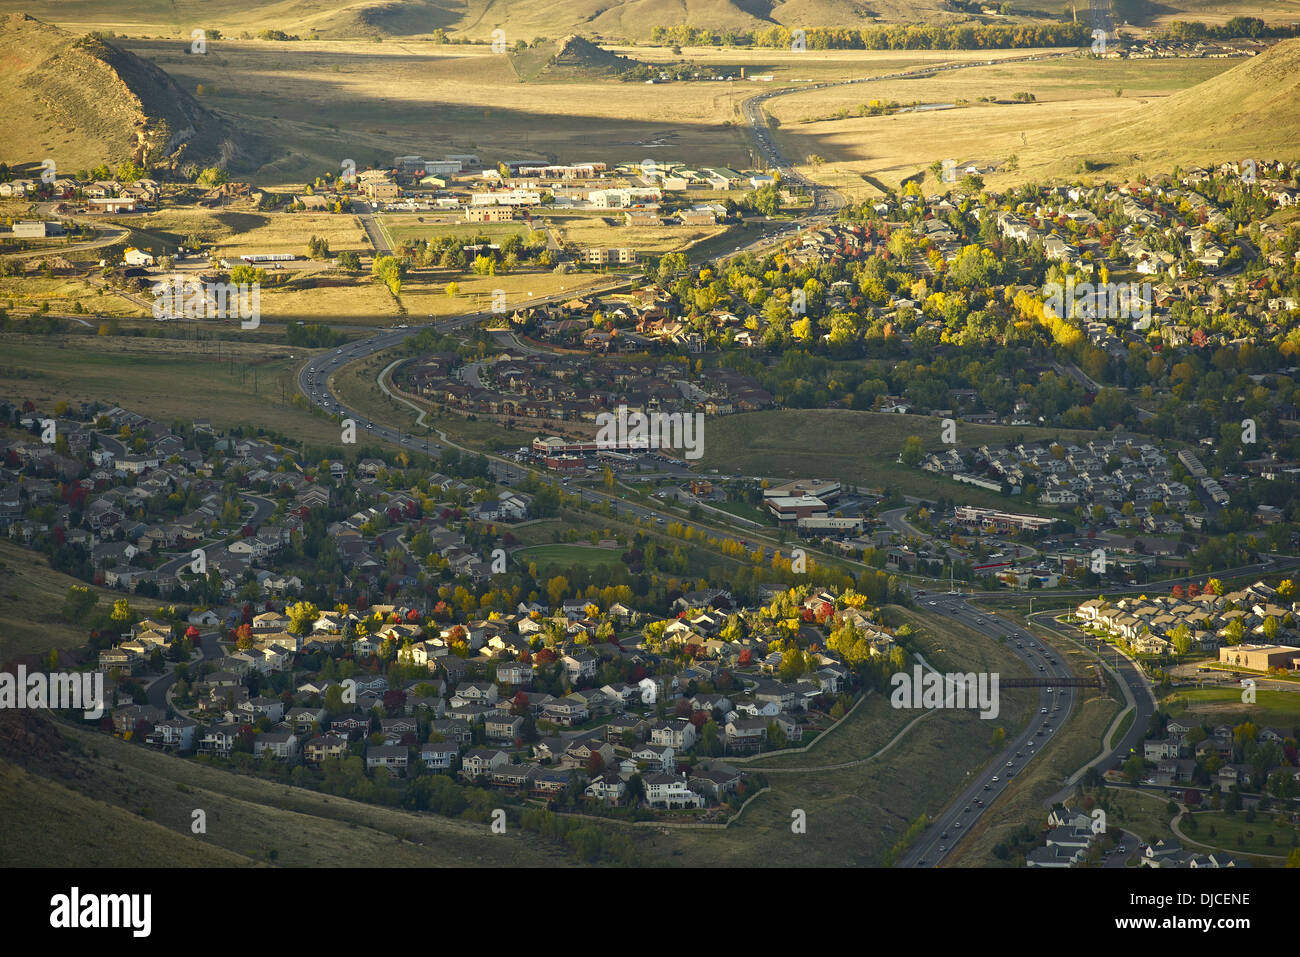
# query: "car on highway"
1042, 711
995, 780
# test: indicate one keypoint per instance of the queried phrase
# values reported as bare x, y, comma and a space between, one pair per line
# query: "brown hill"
82, 101
1249, 110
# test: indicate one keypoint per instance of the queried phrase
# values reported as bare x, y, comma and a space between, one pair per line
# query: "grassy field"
78, 829
63, 294
323, 102
587, 231
402, 227
560, 557
168, 379
239, 232
1236, 835
31, 596
792, 442
1224, 706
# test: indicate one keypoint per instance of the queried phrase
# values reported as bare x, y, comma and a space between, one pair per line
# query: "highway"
1053, 707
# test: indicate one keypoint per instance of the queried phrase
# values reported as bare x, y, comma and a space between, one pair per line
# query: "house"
440, 756
305, 720
219, 739
607, 788
327, 746
280, 745
658, 756
746, 732
580, 665
475, 693
670, 791
1161, 749
622, 724
481, 762
394, 757
717, 783
256, 708
679, 734
174, 734
566, 711
348, 724
503, 728
517, 674
394, 729
581, 752
126, 720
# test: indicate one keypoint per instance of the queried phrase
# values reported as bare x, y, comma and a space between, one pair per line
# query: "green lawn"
568, 556
1236, 835
1224, 705
856, 447
408, 226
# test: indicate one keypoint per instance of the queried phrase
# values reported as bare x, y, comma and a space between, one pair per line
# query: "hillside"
569, 58
1248, 110
608, 19
82, 101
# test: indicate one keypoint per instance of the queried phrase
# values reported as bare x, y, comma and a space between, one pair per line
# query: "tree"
122, 613
1233, 632
710, 742
792, 665
301, 617
1132, 769
349, 260
391, 271
556, 589
1181, 638
212, 176
913, 451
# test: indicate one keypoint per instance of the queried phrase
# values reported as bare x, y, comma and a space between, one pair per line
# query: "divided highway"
1054, 706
